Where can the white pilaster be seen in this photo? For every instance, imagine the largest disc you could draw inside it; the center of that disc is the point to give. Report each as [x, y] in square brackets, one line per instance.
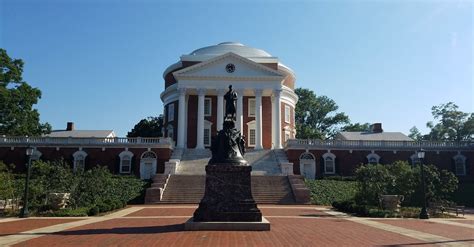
[220, 108]
[258, 118]
[200, 119]
[277, 130]
[181, 116]
[240, 110]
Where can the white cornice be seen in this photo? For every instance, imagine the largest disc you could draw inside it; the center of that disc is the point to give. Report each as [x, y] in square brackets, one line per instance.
[201, 58]
[182, 73]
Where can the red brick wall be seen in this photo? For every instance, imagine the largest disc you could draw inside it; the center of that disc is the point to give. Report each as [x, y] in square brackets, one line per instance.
[285, 124]
[169, 78]
[267, 122]
[95, 156]
[347, 162]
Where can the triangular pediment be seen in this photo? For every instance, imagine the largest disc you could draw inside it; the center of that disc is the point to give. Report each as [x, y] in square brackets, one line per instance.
[229, 65]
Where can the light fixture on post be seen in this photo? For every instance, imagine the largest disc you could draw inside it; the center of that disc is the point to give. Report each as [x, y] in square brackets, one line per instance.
[424, 212]
[24, 211]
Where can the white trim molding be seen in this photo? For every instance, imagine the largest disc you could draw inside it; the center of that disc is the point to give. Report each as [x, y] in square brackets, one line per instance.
[329, 160]
[125, 156]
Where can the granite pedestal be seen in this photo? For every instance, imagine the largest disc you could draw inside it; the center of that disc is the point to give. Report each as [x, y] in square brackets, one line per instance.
[228, 203]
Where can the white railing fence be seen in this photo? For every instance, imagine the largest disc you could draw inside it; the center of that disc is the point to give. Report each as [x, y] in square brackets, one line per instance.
[40, 140]
[346, 144]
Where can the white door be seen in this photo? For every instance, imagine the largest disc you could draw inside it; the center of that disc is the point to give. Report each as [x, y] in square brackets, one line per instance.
[309, 171]
[148, 170]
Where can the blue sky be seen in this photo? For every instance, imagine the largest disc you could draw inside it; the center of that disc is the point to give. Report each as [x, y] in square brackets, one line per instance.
[100, 63]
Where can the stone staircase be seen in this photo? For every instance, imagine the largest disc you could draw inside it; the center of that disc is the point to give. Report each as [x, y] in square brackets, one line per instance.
[193, 162]
[190, 189]
[263, 162]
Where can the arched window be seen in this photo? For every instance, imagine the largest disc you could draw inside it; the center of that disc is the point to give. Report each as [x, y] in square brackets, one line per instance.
[79, 160]
[373, 158]
[125, 161]
[329, 163]
[460, 165]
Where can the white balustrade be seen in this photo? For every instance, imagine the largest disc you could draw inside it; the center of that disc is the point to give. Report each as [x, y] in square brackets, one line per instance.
[385, 145]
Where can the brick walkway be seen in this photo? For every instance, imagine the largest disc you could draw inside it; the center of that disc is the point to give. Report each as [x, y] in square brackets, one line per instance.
[290, 226]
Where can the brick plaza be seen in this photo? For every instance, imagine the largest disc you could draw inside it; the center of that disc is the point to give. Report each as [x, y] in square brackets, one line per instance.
[162, 225]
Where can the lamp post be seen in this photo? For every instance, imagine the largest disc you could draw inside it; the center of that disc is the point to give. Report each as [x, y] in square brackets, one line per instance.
[424, 212]
[24, 211]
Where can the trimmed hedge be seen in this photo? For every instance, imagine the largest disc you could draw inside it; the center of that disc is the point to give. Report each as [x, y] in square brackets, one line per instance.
[464, 195]
[327, 191]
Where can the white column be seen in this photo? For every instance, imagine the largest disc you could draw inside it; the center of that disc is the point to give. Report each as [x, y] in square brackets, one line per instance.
[181, 116]
[220, 108]
[277, 131]
[240, 110]
[258, 118]
[200, 119]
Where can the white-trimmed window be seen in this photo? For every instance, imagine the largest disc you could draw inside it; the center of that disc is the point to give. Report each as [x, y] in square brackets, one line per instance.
[170, 112]
[207, 107]
[79, 160]
[251, 137]
[329, 163]
[460, 165]
[251, 107]
[207, 133]
[287, 114]
[170, 130]
[373, 158]
[126, 161]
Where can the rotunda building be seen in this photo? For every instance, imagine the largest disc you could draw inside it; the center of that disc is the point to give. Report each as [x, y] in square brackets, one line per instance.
[194, 96]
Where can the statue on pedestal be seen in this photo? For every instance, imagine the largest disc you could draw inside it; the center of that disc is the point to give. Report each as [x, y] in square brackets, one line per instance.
[228, 147]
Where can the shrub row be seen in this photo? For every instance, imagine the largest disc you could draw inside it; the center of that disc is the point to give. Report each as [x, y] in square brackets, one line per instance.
[325, 192]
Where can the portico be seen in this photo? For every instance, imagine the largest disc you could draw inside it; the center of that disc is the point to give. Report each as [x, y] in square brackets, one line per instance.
[196, 86]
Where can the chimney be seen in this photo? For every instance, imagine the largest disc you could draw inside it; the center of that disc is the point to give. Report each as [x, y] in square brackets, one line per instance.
[70, 126]
[376, 128]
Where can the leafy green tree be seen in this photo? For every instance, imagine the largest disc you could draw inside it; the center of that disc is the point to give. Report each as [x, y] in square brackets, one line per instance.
[17, 115]
[317, 116]
[415, 134]
[148, 127]
[452, 125]
[358, 127]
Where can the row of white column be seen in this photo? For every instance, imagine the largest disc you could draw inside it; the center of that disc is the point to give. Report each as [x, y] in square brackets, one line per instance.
[220, 116]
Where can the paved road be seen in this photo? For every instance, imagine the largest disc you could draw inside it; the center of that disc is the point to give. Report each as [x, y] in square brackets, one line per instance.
[162, 225]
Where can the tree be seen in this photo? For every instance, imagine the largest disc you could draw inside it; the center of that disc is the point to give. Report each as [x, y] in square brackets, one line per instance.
[17, 116]
[452, 125]
[148, 127]
[316, 116]
[358, 127]
[415, 134]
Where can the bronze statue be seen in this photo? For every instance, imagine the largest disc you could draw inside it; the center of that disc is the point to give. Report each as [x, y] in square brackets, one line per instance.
[230, 99]
[228, 147]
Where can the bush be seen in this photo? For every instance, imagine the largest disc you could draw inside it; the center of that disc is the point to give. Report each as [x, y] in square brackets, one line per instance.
[69, 212]
[325, 192]
[89, 189]
[464, 195]
[401, 179]
[93, 211]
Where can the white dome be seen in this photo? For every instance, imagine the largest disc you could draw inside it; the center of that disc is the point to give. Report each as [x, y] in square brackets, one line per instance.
[235, 47]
